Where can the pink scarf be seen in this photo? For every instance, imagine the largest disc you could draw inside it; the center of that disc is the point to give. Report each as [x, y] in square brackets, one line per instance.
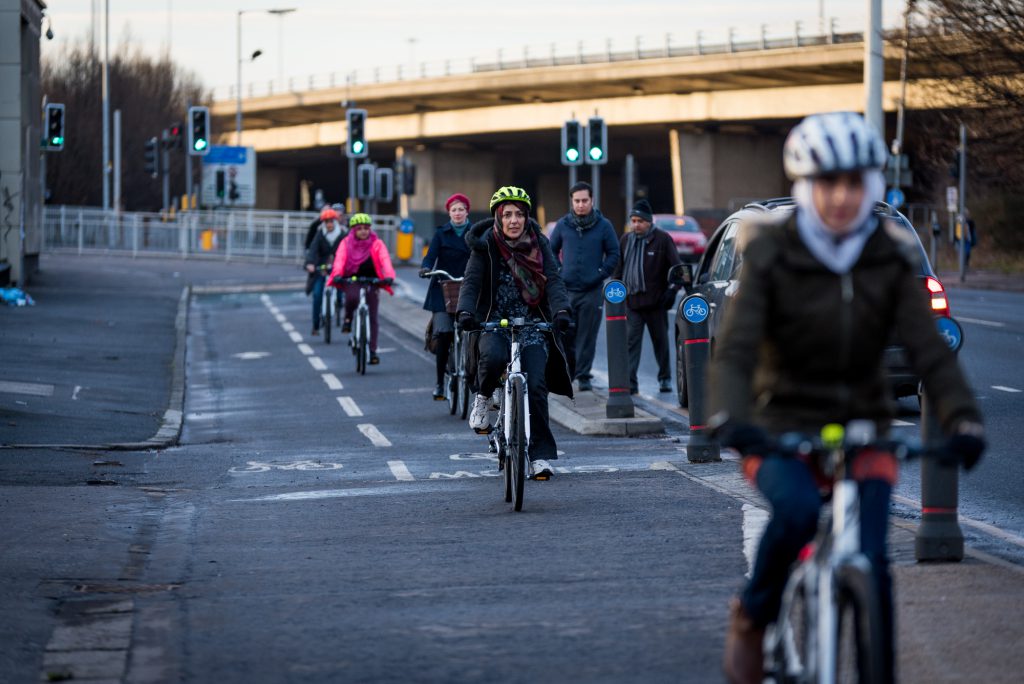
[357, 251]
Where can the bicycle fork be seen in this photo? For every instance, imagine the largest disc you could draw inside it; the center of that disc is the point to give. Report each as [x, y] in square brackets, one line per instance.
[845, 549]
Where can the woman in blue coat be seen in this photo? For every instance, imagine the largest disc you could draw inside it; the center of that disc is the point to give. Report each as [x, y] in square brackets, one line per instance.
[448, 252]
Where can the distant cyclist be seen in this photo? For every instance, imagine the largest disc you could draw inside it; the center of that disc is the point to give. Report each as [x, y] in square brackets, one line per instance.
[511, 274]
[320, 254]
[819, 298]
[448, 252]
[362, 254]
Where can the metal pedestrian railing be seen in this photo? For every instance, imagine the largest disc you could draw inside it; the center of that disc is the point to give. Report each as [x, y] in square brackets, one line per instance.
[240, 234]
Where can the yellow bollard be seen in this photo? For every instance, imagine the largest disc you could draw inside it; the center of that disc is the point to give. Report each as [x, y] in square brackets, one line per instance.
[206, 240]
[404, 241]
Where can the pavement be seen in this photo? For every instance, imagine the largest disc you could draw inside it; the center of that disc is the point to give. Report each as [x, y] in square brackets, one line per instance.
[114, 330]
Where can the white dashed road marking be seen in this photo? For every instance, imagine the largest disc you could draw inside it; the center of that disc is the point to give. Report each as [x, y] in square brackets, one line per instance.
[332, 381]
[34, 389]
[978, 321]
[374, 435]
[287, 327]
[317, 363]
[280, 318]
[350, 407]
[400, 471]
[305, 349]
[296, 337]
[1003, 388]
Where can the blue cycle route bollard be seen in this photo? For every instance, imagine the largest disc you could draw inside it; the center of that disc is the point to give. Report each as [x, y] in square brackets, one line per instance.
[694, 310]
[620, 403]
[939, 537]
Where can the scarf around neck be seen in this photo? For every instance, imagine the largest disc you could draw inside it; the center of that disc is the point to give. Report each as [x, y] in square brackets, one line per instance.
[332, 235]
[837, 253]
[357, 251]
[585, 222]
[633, 261]
[523, 258]
[459, 230]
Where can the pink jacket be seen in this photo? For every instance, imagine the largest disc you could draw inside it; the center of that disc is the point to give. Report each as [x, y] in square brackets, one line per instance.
[381, 262]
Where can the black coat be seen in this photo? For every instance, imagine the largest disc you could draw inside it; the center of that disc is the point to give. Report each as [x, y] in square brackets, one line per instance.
[448, 252]
[477, 295]
[659, 256]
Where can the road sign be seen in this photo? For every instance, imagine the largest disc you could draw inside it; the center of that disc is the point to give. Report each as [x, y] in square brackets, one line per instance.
[695, 309]
[238, 164]
[952, 198]
[615, 291]
[895, 197]
[951, 332]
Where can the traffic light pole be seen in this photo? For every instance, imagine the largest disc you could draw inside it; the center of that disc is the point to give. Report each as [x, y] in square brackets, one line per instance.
[595, 180]
[351, 204]
[572, 176]
[117, 161]
[165, 155]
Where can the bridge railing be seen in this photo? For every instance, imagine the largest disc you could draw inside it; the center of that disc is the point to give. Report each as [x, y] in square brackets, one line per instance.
[237, 234]
[796, 34]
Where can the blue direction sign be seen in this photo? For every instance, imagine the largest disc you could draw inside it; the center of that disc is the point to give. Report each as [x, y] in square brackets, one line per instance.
[226, 154]
[895, 197]
[695, 309]
[615, 291]
[951, 332]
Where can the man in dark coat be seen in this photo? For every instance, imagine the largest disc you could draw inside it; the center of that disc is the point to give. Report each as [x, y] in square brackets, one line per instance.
[648, 254]
[586, 244]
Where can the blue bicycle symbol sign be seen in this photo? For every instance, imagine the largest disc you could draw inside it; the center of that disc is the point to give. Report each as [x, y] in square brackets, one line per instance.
[615, 291]
[951, 332]
[695, 309]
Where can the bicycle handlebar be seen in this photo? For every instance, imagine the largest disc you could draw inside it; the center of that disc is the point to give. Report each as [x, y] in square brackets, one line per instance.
[340, 280]
[853, 439]
[446, 274]
[517, 324]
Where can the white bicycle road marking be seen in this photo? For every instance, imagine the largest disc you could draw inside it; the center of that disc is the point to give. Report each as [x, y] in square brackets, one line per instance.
[1003, 388]
[374, 435]
[400, 471]
[296, 337]
[350, 407]
[74, 394]
[265, 466]
[251, 355]
[979, 321]
[901, 423]
[317, 363]
[332, 381]
[287, 327]
[305, 349]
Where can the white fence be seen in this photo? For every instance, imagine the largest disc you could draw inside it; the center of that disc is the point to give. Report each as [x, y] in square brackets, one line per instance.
[243, 234]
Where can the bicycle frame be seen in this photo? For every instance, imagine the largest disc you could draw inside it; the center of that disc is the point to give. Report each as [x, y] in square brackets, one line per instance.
[453, 385]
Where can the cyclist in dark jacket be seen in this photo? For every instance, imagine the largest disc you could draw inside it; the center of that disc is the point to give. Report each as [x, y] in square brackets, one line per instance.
[512, 273]
[448, 252]
[321, 253]
[802, 346]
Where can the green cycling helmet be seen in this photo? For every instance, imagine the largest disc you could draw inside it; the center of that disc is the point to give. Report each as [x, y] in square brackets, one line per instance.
[510, 193]
[360, 219]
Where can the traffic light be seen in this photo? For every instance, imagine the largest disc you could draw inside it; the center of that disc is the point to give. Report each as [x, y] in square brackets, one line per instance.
[597, 141]
[153, 156]
[55, 126]
[220, 183]
[233, 193]
[954, 168]
[365, 181]
[385, 184]
[198, 131]
[407, 176]
[572, 143]
[356, 147]
[174, 137]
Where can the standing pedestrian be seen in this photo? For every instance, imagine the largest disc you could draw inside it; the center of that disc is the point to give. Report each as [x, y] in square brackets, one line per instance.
[448, 252]
[588, 249]
[648, 254]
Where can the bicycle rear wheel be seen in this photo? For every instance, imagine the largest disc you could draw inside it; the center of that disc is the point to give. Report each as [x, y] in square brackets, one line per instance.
[451, 382]
[860, 656]
[789, 656]
[326, 314]
[462, 388]
[516, 457]
[362, 344]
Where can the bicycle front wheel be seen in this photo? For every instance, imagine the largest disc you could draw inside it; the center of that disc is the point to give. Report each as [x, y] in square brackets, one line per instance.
[516, 456]
[362, 344]
[326, 314]
[860, 651]
[789, 657]
[451, 382]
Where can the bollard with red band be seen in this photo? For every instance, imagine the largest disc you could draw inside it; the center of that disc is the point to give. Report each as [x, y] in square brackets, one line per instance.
[620, 403]
[939, 537]
[696, 347]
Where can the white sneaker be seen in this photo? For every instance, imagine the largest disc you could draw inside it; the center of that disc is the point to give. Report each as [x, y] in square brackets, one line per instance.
[496, 398]
[478, 415]
[540, 470]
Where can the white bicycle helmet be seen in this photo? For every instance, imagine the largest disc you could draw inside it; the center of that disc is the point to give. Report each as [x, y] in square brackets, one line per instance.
[832, 143]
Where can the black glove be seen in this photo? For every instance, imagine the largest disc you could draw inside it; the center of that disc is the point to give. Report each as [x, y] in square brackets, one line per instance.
[468, 321]
[337, 280]
[387, 281]
[424, 272]
[744, 438]
[668, 299]
[966, 449]
[563, 321]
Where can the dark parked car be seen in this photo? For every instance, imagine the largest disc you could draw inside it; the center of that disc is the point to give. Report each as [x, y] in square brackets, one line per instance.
[716, 278]
[686, 233]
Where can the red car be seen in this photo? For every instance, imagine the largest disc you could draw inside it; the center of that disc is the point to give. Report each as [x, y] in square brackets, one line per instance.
[686, 233]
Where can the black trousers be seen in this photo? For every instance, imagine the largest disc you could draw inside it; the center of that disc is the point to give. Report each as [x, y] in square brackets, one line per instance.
[494, 350]
[656, 322]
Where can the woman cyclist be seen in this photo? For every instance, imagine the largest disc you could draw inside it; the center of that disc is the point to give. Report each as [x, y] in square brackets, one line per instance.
[448, 252]
[819, 298]
[512, 273]
[321, 253]
[364, 255]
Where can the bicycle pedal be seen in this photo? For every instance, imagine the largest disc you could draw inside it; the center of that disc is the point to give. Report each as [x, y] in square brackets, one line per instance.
[542, 477]
[484, 431]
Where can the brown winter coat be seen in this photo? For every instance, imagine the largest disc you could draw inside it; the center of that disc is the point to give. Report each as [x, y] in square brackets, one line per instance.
[802, 346]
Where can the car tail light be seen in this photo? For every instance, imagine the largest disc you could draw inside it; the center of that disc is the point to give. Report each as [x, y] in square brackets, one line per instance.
[940, 305]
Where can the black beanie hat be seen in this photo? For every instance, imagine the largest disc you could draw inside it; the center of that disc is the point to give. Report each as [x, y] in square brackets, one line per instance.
[642, 209]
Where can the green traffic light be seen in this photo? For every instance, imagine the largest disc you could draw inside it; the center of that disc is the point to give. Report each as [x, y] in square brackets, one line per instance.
[57, 141]
[357, 146]
[199, 144]
[572, 154]
[596, 153]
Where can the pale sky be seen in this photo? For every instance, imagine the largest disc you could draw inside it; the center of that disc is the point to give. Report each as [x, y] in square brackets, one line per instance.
[339, 36]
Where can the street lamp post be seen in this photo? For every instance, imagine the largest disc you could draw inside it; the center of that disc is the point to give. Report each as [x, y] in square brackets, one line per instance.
[280, 13]
[257, 53]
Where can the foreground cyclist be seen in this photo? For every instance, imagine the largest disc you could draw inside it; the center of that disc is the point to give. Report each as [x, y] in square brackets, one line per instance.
[320, 253]
[364, 255]
[819, 298]
[512, 273]
[448, 252]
